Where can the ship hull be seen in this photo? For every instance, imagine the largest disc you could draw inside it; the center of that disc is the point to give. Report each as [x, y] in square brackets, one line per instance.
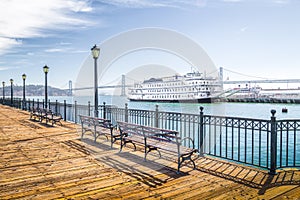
[190, 88]
[202, 100]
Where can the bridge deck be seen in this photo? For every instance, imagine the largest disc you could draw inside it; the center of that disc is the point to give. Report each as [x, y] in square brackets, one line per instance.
[38, 161]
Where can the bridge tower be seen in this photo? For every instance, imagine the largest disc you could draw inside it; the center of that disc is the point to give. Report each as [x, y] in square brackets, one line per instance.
[221, 77]
[123, 86]
[70, 92]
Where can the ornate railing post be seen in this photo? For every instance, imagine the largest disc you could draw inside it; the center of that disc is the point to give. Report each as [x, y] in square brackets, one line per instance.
[75, 111]
[65, 110]
[156, 117]
[104, 111]
[126, 112]
[27, 104]
[273, 156]
[89, 108]
[56, 106]
[201, 134]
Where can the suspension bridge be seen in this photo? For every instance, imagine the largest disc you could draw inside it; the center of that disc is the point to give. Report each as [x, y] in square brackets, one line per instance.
[123, 85]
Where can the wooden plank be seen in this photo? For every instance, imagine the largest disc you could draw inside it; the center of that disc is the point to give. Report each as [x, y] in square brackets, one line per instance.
[39, 161]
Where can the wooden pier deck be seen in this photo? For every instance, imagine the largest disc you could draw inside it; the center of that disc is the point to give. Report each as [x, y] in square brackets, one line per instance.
[43, 162]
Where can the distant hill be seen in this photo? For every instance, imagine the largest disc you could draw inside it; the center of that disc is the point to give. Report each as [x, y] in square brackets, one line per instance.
[35, 90]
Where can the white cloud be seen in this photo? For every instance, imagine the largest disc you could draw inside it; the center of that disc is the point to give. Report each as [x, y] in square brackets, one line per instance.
[54, 50]
[7, 43]
[30, 18]
[65, 43]
[243, 29]
[4, 68]
[30, 53]
[231, 0]
[132, 3]
[282, 1]
[153, 3]
[65, 50]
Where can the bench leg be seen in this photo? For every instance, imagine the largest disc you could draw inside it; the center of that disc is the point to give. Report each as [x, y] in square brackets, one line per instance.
[106, 137]
[114, 138]
[125, 142]
[55, 121]
[150, 148]
[95, 137]
[181, 159]
[59, 122]
[82, 133]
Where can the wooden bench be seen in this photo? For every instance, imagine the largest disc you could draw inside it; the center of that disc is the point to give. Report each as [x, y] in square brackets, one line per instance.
[157, 139]
[41, 114]
[38, 114]
[49, 116]
[98, 127]
[35, 113]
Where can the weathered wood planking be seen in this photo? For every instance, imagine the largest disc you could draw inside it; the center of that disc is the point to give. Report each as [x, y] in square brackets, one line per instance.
[42, 162]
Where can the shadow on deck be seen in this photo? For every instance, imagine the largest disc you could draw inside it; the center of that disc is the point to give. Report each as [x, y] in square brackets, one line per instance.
[248, 176]
[39, 162]
[132, 163]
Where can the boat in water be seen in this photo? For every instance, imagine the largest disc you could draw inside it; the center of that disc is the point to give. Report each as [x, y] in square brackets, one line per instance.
[192, 87]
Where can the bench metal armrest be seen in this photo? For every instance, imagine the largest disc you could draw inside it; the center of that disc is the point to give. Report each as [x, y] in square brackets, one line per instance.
[58, 114]
[108, 124]
[188, 138]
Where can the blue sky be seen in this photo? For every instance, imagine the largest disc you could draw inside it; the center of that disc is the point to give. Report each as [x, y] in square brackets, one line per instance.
[259, 38]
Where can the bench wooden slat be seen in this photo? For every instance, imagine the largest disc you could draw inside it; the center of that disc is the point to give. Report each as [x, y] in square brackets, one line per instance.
[98, 127]
[45, 114]
[156, 139]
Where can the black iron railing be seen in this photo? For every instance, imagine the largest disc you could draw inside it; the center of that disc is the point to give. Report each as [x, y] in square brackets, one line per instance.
[269, 144]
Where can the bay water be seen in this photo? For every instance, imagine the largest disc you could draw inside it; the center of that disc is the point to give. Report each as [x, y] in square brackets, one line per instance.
[245, 110]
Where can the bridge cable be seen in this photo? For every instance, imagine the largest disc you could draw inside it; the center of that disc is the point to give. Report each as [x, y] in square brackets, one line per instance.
[245, 74]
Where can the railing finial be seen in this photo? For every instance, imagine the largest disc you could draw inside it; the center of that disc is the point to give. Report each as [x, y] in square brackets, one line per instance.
[201, 108]
[273, 112]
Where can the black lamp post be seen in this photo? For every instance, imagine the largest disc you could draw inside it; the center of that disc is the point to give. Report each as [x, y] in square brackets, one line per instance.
[11, 92]
[24, 100]
[3, 84]
[46, 70]
[95, 52]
